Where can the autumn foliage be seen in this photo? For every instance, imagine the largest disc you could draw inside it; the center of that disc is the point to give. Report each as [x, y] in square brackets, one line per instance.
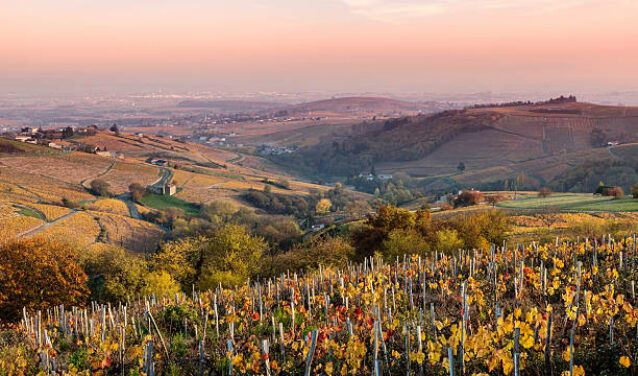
[38, 274]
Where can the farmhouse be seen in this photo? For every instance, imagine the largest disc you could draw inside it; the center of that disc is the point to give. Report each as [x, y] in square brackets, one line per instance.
[110, 154]
[164, 190]
[157, 162]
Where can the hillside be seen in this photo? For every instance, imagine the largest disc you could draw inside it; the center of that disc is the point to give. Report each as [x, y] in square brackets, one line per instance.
[356, 105]
[47, 192]
[494, 143]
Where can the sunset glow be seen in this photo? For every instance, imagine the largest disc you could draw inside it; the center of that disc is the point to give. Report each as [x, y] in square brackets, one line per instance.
[407, 45]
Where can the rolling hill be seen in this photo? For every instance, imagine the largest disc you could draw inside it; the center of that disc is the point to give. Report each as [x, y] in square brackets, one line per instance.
[46, 191]
[542, 140]
[356, 105]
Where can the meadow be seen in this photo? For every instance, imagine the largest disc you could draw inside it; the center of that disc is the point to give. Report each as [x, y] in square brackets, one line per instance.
[160, 202]
[567, 307]
[573, 202]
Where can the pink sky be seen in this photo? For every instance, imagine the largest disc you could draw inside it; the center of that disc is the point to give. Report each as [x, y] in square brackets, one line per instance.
[339, 45]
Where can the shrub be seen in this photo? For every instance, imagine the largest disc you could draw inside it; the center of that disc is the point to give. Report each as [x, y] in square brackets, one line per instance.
[69, 203]
[618, 193]
[404, 242]
[634, 190]
[494, 199]
[468, 198]
[326, 251]
[38, 274]
[544, 192]
[100, 188]
[114, 274]
[137, 191]
[615, 192]
[449, 240]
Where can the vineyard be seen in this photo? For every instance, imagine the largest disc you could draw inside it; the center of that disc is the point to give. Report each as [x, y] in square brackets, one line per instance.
[71, 168]
[563, 308]
[80, 228]
[128, 232]
[124, 174]
[109, 205]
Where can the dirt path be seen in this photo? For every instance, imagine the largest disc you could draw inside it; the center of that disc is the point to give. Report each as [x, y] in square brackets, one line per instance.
[45, 226]
[98, 175]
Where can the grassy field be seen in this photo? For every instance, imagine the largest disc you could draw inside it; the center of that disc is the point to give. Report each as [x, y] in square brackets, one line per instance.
[159, 202]
[573, 202]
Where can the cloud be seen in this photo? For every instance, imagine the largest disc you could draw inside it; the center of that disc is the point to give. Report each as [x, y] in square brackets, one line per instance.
[396, 10]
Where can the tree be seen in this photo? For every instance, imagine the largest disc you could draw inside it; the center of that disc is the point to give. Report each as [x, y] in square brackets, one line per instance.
[159, 283]
[616, 192]
[544, 192]
[137, 191]
[182, 259]
[114, 273]
[461, 167]
[115, 129]
[468, 198]
[368, 239]
[283, 183]
[404, 242]
[597, 137]
[449, 240]
[38, 274]
[229, 257]
[323, 206]
[327, 251]
[494, 199]
[518, 183]
[634, 190]
[100, 188]
[67, 132]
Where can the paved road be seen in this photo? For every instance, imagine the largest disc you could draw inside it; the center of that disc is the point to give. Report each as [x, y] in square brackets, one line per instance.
[132, 208]
[167, 176]
[46, 225]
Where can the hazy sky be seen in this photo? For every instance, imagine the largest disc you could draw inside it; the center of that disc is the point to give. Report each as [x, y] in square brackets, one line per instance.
[309, 45]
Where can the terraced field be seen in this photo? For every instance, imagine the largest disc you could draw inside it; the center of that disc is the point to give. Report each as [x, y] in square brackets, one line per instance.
[70, 168]
[129, 233]
[14, 225]
[121, 175]
[80, 229]
[109, 205]
[21, 186]
[50, 212]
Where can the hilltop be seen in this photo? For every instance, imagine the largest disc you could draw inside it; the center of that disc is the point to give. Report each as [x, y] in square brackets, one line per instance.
[356, 105]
